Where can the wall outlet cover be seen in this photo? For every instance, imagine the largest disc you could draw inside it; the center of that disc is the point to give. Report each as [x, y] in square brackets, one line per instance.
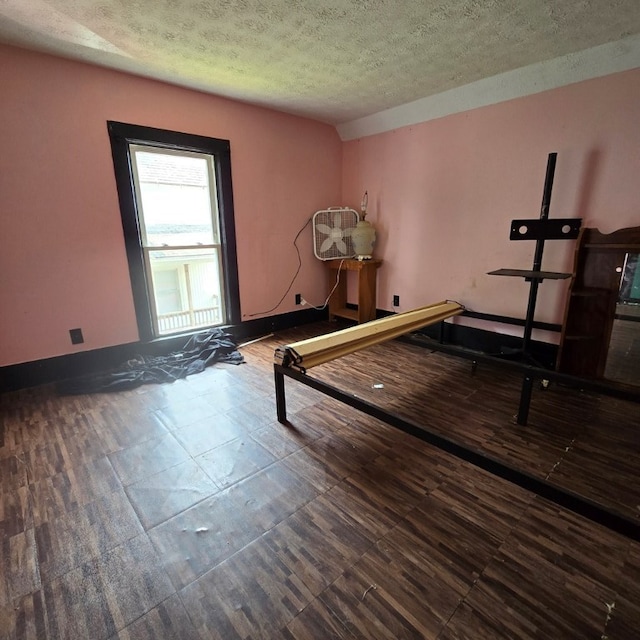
[76, 336]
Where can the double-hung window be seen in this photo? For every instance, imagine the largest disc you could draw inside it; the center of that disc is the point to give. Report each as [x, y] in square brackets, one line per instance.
[177, 214]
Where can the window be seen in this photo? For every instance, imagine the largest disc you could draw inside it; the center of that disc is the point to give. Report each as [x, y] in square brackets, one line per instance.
[177, 215]
[167, 291]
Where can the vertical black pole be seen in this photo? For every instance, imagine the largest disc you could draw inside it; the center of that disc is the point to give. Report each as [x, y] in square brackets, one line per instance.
[525, 400]
[281, 402]
[537, 258]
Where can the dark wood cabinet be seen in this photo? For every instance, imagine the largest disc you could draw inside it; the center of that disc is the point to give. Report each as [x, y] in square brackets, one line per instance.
[593, 295]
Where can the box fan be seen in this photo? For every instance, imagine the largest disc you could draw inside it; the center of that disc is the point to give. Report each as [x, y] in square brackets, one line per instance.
[332, 229]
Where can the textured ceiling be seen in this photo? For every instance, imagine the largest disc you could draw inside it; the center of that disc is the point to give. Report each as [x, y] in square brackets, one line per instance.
[332, 60]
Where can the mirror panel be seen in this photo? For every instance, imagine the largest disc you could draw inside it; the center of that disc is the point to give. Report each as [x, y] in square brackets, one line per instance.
[623, 359]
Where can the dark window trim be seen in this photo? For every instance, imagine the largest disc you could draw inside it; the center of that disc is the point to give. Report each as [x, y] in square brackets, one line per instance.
[121, 135]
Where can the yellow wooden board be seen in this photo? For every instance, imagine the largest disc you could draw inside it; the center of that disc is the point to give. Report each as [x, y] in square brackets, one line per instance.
[309, 353]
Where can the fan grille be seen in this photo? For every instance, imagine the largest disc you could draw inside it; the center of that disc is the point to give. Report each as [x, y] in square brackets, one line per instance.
[332, 230]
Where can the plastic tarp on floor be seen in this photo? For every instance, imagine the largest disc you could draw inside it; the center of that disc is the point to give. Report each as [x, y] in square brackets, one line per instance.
[200, 351]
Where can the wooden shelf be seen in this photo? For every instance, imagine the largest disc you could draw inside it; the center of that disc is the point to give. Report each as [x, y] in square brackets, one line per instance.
[625, 247]
[530, 275]
[588, 293]
[346, 312]
[366, 270]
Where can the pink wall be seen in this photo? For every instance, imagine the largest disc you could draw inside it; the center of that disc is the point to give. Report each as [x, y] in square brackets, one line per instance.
[442, 194]
[62, 257]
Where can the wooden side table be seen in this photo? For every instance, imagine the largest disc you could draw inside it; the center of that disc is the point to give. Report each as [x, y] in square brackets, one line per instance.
[367, 270]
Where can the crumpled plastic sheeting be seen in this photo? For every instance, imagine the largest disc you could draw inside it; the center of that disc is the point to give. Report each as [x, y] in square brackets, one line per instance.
[200, 351]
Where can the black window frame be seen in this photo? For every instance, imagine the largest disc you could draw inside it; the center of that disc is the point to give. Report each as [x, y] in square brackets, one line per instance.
[122, 135]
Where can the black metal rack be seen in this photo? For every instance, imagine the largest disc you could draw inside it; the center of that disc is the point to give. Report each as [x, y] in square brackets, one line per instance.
[540, 230]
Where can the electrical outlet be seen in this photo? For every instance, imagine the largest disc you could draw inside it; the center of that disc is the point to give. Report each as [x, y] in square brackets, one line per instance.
[76, 336]
[298, 298]
[396, 301]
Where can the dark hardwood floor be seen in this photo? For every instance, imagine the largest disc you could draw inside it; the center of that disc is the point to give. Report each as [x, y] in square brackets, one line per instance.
[186, 510]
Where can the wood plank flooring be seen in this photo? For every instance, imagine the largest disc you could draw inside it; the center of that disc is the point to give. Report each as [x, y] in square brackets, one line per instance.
[185, 511]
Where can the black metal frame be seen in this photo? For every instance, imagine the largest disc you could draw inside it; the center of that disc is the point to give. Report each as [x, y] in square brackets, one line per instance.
[538, 230]
[566, 499]
[530, 373]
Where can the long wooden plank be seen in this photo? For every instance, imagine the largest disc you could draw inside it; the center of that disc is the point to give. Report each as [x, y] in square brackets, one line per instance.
[314, 351]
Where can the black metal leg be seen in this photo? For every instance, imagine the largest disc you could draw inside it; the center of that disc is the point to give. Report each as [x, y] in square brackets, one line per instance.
[281, 401]
[525, 399]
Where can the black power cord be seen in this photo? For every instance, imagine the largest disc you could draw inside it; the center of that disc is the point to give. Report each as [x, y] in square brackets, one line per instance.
[295, 244]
